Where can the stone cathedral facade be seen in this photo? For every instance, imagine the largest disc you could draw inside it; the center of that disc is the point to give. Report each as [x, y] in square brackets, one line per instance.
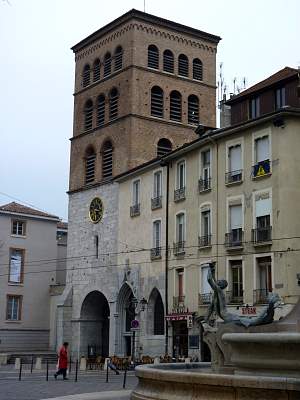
[142, 85]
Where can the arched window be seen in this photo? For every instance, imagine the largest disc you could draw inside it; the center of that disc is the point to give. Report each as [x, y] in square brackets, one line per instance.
[153, 57]
[159, 316]
[107, 160]
[101, 110]
[175, 106]
[90, 158]
[157, 102]
[163, 146]
[88, 115]
[193, 109]
[113, 104]
[96, 71]
[118, 58]
[168, 59]
[86, 75]
[183, 65]
[197, 69]
[107, 64]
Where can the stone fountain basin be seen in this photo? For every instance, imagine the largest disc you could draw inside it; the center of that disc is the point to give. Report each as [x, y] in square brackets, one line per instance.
[275, 353]
[196, 381]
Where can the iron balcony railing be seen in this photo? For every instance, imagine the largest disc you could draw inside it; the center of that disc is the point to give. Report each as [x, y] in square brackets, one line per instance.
[179, 194]
[178, 301]
[204, 298]
[135, 210]
[178, 248]
[204, 241]
[204, 185]
[156, 202]
[155, 253]
[234, 176]
[234, 238]
[262, 235]
[260, 296]
[233, 297]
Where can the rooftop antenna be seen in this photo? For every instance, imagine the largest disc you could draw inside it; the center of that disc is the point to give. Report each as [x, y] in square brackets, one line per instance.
[234, 83]
[244, 83]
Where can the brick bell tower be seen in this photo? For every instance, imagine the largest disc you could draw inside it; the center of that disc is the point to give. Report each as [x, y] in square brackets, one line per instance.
[142, 84]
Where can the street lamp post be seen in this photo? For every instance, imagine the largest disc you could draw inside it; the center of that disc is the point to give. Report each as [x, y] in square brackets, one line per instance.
[135, 324]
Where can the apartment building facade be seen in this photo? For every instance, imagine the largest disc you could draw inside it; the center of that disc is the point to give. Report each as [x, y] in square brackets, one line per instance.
[32, 259]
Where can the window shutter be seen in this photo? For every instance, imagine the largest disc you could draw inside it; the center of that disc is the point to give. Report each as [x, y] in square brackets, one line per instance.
[235, 158]
[236, 216]
[263, 207]
[262, 149]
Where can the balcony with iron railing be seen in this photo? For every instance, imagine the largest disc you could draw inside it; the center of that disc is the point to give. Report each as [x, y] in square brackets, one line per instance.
[155, 253]
[178, 301]
[179, 194]
[234, 297]
[260, 296]
[204, 299]
[204, 241]
[234, 239]
[262, 236]
[179, 248]
[232, 177]
[135, 210]
[204, 185]
[156, 202]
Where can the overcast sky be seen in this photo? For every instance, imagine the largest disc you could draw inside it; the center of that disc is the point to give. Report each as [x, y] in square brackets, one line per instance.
[259, 37]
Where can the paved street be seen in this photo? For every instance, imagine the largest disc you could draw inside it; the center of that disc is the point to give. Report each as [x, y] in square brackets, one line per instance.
[35, 387]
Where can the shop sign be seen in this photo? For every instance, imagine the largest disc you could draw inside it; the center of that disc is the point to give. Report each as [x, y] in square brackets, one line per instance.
[249, 310]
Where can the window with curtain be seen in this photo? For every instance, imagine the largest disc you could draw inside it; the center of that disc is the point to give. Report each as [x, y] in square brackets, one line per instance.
[262, 151]
[16, 265]
[13, 308]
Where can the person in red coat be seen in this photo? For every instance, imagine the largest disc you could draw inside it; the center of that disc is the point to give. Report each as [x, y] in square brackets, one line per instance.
[62, 361]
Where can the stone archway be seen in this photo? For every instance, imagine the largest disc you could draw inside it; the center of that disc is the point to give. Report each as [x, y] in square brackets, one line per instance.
[94, 324]
[126, 314]
[155, 314]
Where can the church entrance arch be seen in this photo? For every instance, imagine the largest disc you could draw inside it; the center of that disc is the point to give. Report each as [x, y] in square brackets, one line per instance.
[126, 313]
[94, 325]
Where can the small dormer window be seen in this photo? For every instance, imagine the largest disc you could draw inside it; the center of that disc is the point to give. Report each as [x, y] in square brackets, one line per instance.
[254, 107]
[280, 98]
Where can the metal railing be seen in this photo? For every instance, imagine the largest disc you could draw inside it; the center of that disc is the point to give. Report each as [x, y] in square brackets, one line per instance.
[204, 298]
[204, 185]
[234, 238]
[234, 176]
[204, 241]
[179, 194]
[155, 253]
[178, 301]
[234, 298]
[156, 202]
[179, 248]
[135, 210]
[262, 235]
[260, 296]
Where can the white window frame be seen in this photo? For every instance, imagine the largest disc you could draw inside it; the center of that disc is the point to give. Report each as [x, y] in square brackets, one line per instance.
[205, 207]
[160, 232]
[184, 225]
[133, 192]
[228, 271]
[201, 169]
[232, 143]
[258, 135]
[154, 195]
[255, 269]
[234, 201]
[179, 267]
[183, 161]
[203, 264]
[24, 226]
[261, 193]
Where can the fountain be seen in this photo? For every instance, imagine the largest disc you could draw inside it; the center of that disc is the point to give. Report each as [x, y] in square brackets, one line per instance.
[252, 358]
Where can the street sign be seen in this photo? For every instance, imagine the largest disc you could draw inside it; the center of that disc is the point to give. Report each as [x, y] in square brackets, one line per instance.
[135, 324]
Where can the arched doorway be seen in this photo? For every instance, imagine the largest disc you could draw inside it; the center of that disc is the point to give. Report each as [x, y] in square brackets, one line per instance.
[156, 314]
[94, 325]
[126, 313]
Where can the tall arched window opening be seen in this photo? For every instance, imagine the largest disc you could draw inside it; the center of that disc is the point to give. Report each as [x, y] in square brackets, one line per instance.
[107, 160]
[107, 64]
[113, 104]
[86, 75]
[183, 65]
[90, 158]
[175, 106]
[157, 102]
[96, 70]
[153, 57]
[193, 109]
[168, 61]
[197, 69]
[118, 58]
[88, 115]
[163, 146]
[101, 110]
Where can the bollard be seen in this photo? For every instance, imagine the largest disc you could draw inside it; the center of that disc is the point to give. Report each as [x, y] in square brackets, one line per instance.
[70, 369]
[31, 367]
[38, 363]
[125, 376]
[20, 372]
[76, 370]
[107, 373]
[17, 363]
[47, 370]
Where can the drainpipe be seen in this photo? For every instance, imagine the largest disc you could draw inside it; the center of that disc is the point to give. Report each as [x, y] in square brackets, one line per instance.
[166, 164]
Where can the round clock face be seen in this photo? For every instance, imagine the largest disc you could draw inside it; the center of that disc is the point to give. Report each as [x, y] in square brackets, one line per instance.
[96, 210]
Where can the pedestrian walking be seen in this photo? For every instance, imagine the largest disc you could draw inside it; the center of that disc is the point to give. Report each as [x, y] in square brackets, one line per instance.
[112, 366]
[62, 361]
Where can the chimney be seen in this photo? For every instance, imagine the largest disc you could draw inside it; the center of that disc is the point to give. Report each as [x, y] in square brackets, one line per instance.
[225, 113]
